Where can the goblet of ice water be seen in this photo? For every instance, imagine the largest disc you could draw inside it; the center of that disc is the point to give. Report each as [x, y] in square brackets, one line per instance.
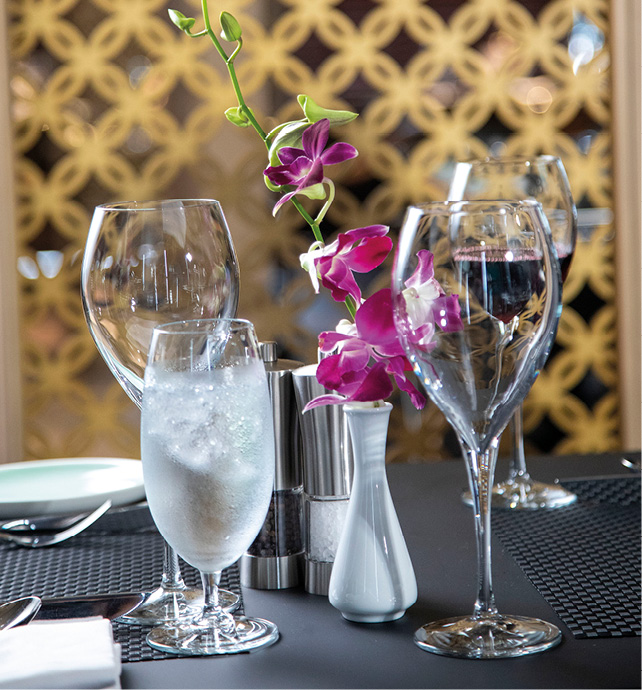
[148, 263]
[207, 441]
[495, 256]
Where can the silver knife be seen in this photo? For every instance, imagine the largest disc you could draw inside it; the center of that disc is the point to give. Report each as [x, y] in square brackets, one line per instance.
[106, 605]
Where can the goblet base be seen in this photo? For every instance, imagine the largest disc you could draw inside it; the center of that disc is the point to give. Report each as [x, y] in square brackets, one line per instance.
[164, 606]
[487, 637]
[204, 638]
[526, 494]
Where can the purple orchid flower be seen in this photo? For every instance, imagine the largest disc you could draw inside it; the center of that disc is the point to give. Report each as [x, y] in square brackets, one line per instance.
[373, 383]
[427, 305]
[359, 250]
[303, 168]
[367, 354]
[375, 325]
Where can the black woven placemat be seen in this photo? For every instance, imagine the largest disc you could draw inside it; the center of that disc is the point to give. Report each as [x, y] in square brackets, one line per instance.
[122, 552]
[583, 559]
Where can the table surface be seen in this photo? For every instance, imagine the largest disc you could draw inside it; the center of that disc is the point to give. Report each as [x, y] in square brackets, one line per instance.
[319, 649]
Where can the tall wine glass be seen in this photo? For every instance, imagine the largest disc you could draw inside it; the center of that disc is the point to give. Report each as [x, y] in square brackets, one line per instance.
[207, 442]
[145, 264]
[544, 179]
[497, 258]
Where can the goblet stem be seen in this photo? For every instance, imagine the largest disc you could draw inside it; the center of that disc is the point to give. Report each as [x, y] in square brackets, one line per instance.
[481, 467]
[211, 605]
[519, 491]
[222, 623]
[213, 631]
[486, 634]
[517, 466]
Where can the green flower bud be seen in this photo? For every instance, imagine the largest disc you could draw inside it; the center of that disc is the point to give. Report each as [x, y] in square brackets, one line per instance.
[314, 112]
[287, 134]
[231, 28]
[237, 117]
[181, 21]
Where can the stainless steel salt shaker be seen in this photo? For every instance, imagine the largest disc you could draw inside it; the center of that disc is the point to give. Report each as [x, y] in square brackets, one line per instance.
[327, 478]
[275, 559]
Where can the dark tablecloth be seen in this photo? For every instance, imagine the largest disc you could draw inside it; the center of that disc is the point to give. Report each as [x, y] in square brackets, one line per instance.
[319, 649]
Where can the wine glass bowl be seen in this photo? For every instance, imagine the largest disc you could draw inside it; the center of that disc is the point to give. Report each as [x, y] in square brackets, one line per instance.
[484, 254]
[148, 263]
[542, 178]
[207, 443]
[495, 258]
[145, 264]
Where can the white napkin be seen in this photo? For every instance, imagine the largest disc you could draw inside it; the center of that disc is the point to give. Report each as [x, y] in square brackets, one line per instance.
[78, 653]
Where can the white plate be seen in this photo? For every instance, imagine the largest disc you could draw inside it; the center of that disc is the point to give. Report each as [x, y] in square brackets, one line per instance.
[68, 485]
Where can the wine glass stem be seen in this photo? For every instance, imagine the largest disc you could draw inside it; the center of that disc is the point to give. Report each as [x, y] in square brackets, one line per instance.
[172, 579]
[481, 467]
[211, 604]
[517, 468]
[212, 611]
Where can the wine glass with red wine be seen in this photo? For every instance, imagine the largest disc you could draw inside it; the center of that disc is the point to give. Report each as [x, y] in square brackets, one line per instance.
[495, 258]
[542, 178]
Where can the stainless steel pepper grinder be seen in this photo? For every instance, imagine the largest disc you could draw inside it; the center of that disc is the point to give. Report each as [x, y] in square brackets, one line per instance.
[275, 559]
[327, 478]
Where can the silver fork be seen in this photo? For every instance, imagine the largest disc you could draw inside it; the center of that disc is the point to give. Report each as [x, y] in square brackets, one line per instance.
[35, 539]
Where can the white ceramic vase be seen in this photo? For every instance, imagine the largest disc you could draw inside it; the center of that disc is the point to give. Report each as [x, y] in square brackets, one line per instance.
[372, 578]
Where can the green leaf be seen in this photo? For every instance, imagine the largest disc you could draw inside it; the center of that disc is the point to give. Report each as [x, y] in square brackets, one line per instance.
[237, 117]
[314, 112]
[315, 191]
[181, 21]
[231, 28]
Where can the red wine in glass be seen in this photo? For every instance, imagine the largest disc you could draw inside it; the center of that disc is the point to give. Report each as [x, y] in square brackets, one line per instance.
[565, 256]
[503, 281]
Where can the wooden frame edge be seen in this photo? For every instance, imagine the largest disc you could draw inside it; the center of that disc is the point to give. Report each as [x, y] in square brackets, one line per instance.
[626, 29]
[11, 433]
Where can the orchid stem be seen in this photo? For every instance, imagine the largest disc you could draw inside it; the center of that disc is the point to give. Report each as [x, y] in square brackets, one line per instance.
[314, 226]
[351, 305]
[229, 62]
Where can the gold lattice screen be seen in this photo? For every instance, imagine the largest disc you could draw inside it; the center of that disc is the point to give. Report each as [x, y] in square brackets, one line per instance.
[111, 102]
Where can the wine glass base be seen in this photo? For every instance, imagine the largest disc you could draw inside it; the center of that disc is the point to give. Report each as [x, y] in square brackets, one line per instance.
[492, 637]
[164, 606]
[526, 494]
[204, 639]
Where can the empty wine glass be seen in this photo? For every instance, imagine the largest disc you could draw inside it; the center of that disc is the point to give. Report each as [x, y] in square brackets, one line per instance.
[207, 441]
[542, 178]
[497, 259]
[148, 263]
